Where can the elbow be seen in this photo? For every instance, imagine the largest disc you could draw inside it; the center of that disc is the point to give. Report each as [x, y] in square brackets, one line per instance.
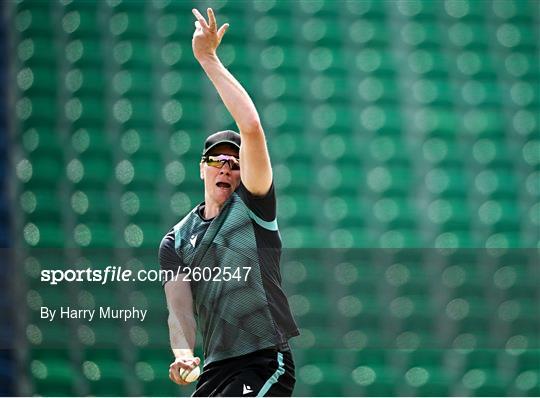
[251, 126]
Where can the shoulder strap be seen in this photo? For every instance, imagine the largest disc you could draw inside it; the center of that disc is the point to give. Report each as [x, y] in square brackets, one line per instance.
[178, 229]
[211, 232]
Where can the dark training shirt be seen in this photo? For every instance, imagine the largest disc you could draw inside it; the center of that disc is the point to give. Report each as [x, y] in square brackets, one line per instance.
[249, 312]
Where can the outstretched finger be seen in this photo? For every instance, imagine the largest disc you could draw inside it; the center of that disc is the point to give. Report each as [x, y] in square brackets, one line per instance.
[211, 19]
[222, 30]
[200, 18]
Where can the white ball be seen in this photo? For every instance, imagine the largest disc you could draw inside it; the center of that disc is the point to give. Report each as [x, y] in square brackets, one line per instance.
[191, 376]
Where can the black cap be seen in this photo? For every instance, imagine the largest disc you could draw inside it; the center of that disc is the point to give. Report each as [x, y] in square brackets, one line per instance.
[222, 137]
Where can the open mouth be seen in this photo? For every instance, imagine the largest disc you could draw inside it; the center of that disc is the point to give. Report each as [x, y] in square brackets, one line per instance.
[224, 185]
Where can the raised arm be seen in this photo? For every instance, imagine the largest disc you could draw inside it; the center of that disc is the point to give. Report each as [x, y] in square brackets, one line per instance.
[255, 168]
[182, 328]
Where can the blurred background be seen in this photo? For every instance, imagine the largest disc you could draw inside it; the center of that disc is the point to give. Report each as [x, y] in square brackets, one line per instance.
[405, 140]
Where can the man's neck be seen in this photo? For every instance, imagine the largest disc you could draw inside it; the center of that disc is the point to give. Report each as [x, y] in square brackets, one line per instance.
[211, 209]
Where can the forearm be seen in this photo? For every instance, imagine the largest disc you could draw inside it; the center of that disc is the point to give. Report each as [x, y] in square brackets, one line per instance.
[234, 96]
[182, 329]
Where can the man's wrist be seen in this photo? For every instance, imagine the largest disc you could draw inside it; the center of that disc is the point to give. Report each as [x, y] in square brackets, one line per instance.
[207, 59]
[183, 353]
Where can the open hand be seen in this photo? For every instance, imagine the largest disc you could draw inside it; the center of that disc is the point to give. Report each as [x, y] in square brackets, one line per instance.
[206, 37]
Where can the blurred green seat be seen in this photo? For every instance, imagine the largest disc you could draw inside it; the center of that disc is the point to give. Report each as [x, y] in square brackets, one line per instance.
[134, 115]
[92, 206]
[44, 334]
[371, 32]
[421, 11]
[93, 80]
[296, 208]
[41, 141]
[51, 235]
[294, 57]
[176, 19]
[52, 372]
[450, 214]
[497, 184]
[295, 115]
[320, 379]
[140, 55]
[289, 84]
[526, 37]
[100, 233]
[238, 29]
[43, 111]
[148, 170]
[94, 141]
[311, 310]
[475, 63]
[322, 9]
[39, 16]
[87, 52]
[428, 357]
[424, 33]
[131, 7]
[321, 29]
[92, 294]
[291, 144]
[92, 111]
[528, 360]
[425, 374]
[105, 371]
[152, 370]
[140, 81]
[137, 24]
[280, 30]
[276, 8]
[35, 50]
[191, 114]
[152, 234]
[45, 82]
[423, 62]
[523, 64]
[297, 173]
[482, 358]
[500, 216]
[96, 172]
[395, 180]
[82, 22]
[44, 204]
[376, 88]
[406, 213]
[145, 143]
[372, 373]
[348, 178]
[346, 212]
[149, 205]
[191, 81]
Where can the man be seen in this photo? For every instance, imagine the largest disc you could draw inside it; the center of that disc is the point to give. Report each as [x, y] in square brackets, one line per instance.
[230, 248]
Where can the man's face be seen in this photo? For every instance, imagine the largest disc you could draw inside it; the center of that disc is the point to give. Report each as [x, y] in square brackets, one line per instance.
[220, 183]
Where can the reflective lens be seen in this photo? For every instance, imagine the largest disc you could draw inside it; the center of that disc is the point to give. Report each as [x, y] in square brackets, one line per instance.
[220, 160]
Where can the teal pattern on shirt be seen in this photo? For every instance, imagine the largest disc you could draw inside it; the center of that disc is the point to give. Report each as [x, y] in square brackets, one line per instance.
[234, 316]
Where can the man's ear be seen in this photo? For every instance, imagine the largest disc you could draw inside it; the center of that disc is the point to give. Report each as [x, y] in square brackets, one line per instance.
[201, 170]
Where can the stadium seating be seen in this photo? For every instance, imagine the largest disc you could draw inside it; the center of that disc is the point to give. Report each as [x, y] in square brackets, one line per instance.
[397, 130]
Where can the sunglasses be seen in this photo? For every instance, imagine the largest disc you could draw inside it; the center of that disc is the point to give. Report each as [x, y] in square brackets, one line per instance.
[220, 160]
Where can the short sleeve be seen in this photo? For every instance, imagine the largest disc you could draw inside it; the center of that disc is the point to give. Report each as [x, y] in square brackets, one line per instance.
[168, 258]
[263, 206]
